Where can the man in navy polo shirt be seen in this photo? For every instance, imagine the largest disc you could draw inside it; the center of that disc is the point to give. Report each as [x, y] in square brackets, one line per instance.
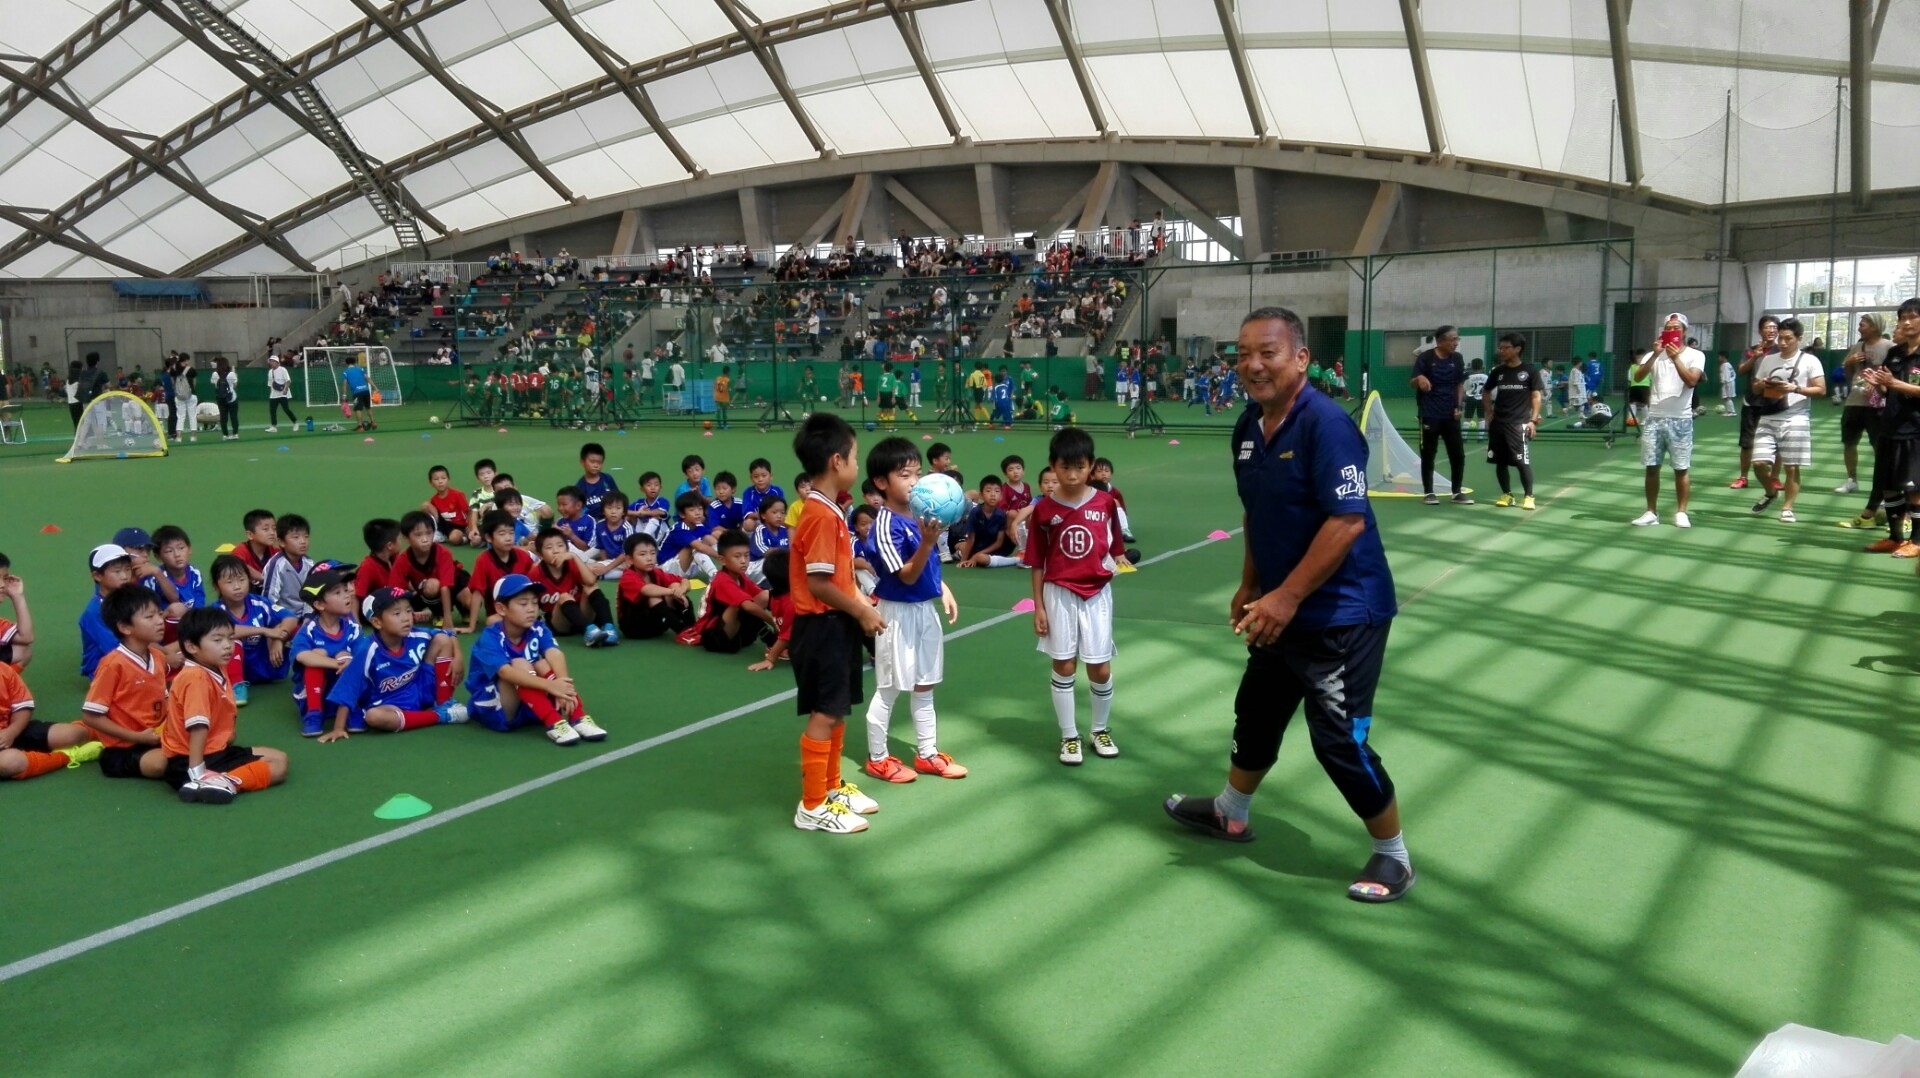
[1440, 384]
[1315, 601]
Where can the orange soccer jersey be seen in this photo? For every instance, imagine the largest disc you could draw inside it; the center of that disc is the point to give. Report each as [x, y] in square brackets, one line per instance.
[199, 699]
[820, 545]
[722, 390]
[129, 690]
[14, 694]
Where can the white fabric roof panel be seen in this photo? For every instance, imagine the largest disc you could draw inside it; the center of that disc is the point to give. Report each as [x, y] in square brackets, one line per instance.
[1537, 110]
[1295, 17]
[1309, 98]
[1097, 21]
[638, 30]
[291, 27]
[52, 22]
[986, 29]
[1017, 101]
[623, 166]
[530, 66]
[1182, 94]
[877, 116]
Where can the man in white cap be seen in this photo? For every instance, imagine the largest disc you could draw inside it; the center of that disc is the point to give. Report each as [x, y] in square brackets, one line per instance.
[279, 394]
[1673, 370]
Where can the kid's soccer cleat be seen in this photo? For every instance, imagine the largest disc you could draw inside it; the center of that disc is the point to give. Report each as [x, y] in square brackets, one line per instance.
[1527, 503]
[849, 795]
[561, 733]
[609, 637]
[939, 764]
[239, 694]
[593, 636]
[1070, 751]
[832, 817]
[356, 723]
[451, 712]
[890, 769]
[213, 788]
[311, 724]
[1884, 546]
[83, 753]
[1865, 520]
[1738, 484]
[588, 729]
[1505, 501]
[1103, 745]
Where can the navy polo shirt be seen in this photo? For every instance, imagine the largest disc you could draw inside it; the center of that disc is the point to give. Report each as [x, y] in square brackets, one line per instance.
[1314, 468]
[1445, 376]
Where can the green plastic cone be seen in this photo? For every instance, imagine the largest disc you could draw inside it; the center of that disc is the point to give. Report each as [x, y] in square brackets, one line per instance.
[402, 807]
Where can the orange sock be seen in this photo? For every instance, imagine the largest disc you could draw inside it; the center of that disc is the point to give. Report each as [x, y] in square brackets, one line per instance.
[813, 771]
[254, 775]
[39, 763]
[833, 757]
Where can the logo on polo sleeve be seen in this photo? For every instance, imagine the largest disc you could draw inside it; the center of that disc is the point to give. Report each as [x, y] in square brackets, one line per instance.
[1352, 483]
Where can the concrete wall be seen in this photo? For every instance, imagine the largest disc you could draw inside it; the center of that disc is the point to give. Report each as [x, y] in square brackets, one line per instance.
[1549, 286]
[1213, 305]
[236, 333]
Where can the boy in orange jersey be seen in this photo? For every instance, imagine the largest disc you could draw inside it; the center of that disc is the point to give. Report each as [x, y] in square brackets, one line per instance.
[203, 762]
[16, 636]
[830, 617]
[126, 701]
[29, 748]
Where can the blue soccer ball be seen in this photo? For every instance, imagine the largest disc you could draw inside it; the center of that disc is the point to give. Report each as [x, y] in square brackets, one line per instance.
[871, 424]
[939, 497]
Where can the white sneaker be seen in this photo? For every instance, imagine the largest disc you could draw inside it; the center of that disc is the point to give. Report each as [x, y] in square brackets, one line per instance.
[1786, 516]
[1681, 520]
[270, 430]
[849, 795]
[1649, 518]
[833, 817]
[452, 712]
[1847, 487]
[562, 733]
[588, 729]
[1103, 745]
[1070, 751]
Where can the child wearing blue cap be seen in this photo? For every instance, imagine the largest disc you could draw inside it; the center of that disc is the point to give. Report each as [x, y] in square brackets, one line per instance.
[517, 673]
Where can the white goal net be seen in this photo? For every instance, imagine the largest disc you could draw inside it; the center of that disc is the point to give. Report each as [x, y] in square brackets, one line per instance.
[322, 367]
[117, 426]
[1393, 466]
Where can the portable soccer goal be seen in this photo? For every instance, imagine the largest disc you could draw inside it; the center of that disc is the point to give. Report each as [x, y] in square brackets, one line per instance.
[117, 426]
[1393, 466]
[322, 367]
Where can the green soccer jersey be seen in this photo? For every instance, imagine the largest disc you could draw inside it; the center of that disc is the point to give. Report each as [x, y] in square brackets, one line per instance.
[888, 383]
[1061, 413]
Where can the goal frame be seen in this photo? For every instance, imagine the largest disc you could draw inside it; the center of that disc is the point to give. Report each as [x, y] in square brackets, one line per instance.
[383, 374]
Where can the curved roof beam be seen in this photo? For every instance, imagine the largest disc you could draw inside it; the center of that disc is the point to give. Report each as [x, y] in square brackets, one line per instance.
[748, 29]
[616, 69]
[1237, 48]
[74, 243]
[1423, 75]
[1063, 25]
[910, 33]
[58, 63]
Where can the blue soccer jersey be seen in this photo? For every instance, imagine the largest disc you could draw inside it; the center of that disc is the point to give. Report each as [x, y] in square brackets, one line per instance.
[96, 639]
[727, 514]
[890, 545]
[682, 536]
[753, 496]
[581, 527]
[356, 379]
[612, 542]
[260, 614]
[653, 505]
[493, 652]
[312, 637]
[192, 588]
[381, 677]
[766, 540]
[596, 491]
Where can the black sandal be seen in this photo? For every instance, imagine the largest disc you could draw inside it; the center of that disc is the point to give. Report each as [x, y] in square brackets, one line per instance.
[1382, 871]
[1200, 814]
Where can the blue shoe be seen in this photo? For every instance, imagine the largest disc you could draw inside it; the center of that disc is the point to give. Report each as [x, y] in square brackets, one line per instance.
[451, 712]
[310, 724]
[608, 636]
[240, 694]
[593, 635]
[356, 724]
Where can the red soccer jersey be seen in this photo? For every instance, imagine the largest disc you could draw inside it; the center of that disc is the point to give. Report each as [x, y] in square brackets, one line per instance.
[451, 506]
[257, 562]
[782, 610]
[557, 589]
[410, 574]
[1015, 498]
[488, 569]
[1075, 545]
[633, 580]
[374, 573]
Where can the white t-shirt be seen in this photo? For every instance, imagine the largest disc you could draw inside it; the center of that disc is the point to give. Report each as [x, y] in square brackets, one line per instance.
[1800, 370]
[1727, 379]
[1680, 405]
[279, 382]
[677, 375]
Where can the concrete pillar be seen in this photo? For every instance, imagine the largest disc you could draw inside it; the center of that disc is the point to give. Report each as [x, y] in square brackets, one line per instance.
[756, 218]
[996, 200]
[1254, 188]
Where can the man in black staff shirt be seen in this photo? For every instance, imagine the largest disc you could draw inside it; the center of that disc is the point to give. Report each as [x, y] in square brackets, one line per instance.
[1440, 383]
[1896, 460]
[1513, 410]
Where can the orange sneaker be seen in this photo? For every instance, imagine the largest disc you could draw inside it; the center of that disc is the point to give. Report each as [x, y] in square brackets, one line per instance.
[1884, 546]
[939, 764]
[890, 770]
[1908, 550]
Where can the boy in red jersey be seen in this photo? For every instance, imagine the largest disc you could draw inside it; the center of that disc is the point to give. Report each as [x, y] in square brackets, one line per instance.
[447, 506]
[429, 571]
[263, 538]
[568, 599]
[500, 559]
[652, 601]
[1073, 544]
[380, 568]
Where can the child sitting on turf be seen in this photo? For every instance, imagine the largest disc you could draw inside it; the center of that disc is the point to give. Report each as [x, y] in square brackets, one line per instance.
[780, 606]
[652, 600]
[399, 677]
[575, 526]
[608, 557]
[760, 488]
[111, 568]
[481, 500]
[508, 501]
[263, 536]
[801, 485]
[594, 484]
[860, 526]
[378, 568]
[688, 549]
[695, 470]
[260, 632]
[16, 636]
[532, 510]
[1014, 493]
[568, 598]
[286, 571]
[518, 675]
[428, 570]
[725, 511]
[499, 529]
[772, 534]
[324, 644]
[447, 506]
[651, 509]
[126, 700]
[989, 541]
[736, 607]
[203, 762]
[180, 586]
[29, 748]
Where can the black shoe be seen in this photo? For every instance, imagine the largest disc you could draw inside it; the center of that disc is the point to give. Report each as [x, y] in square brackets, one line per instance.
[1431, 499]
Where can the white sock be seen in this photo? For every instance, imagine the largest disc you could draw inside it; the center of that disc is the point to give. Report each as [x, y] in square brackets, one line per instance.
[879, 718]
[1063, 706]
[922, 703]
[1102, 701]
[1122, 513]
[1233, 804]
[1395, 847]
[1000, 561]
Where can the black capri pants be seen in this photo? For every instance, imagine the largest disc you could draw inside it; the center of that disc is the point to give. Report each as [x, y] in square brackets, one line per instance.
[1334, 671]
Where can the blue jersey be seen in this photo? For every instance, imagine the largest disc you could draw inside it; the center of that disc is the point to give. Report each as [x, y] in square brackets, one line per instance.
[193, 590]
[612, 542]
[682, 536]
[581, 527]
[96, 639]
[1445, 377]
[658, 504]
[890, 545]
[260, 614]
[985, 526]
[752, 497]
[356, 379]
[312, 637]
[596, 491]
[380, 677]
[706, 489]
[493, 652]
[1314, 467]
[726, 514]
[1002, 392]
[767, 539]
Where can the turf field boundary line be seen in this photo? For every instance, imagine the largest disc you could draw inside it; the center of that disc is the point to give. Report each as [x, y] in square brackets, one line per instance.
[242, 888]
[1488, 546]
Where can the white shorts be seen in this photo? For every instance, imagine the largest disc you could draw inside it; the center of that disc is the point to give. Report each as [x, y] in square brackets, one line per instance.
[912, 650]
[1078, 628]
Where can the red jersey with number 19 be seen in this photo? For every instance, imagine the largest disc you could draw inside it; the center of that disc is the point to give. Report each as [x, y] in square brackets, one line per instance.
[1076, 545]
